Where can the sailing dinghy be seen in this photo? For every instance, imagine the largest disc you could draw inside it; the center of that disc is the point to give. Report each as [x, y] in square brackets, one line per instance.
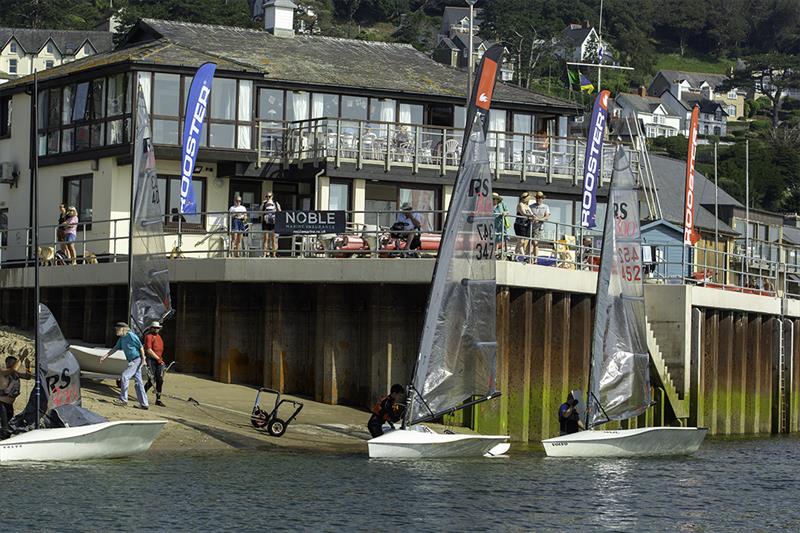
[619, 375]
[456, 362]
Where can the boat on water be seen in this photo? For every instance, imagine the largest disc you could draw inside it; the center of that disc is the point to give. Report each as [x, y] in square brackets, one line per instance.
[619, 368]
[456, 364]
[53, 426]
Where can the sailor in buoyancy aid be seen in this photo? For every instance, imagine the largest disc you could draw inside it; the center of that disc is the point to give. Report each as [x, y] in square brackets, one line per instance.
[388, 409]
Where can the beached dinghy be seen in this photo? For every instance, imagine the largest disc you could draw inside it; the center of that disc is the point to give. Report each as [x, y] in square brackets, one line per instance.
[89, 359]
[619, 373]
[456, 363]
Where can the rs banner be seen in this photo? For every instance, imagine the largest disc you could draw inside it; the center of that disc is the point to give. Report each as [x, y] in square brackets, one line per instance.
[689, 235]
[592, 159]
[196, 106]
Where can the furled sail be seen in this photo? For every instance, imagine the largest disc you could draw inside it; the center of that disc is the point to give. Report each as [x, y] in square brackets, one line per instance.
[620, 376]
[59, 372]
[149, 282]
[456, 360]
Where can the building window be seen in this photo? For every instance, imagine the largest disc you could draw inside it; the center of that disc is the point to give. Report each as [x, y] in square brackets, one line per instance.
[87, 49]
[731, 111]
[733, 93]
[324, 105]
[230, 124]
[13, 47]
[12, 66]
[166, 108]
[169, 189]
[49, 47]
[78, 193]
[5, 116]
[48, 64]
[339, 196]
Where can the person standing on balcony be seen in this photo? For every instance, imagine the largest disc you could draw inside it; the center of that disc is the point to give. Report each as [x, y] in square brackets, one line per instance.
[269, 208]
[541, 213]
[62, 219]
[71, 233]
[501, 224]
[238, 216]
[522, 226]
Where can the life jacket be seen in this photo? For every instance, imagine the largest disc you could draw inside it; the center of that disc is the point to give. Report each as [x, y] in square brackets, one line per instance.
[378, 410]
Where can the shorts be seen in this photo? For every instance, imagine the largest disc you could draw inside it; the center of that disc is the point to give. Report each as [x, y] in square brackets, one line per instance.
[70, 237]
[536, 231]
[268, 226]
[237, 225]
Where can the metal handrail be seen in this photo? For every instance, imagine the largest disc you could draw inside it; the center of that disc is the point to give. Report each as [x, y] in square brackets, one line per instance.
[368, 235]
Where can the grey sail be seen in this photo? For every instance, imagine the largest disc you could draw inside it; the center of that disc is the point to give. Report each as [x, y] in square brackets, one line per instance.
[149, 283]
[59, 372]
[620, 376]
[456, 361]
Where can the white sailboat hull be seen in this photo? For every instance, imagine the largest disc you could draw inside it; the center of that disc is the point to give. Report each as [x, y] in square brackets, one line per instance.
[89, 359]
[627, 442]
[411, 444]
[97, 441]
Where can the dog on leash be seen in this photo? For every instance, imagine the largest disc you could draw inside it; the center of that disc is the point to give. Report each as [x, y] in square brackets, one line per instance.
[47, 255]
[89, 258]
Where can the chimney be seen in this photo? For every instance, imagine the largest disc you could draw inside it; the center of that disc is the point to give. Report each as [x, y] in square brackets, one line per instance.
[642, 91]
[279, 17]
[586, 24]
[677, 90]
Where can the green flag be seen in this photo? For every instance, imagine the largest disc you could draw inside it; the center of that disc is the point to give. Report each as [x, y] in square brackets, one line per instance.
[574, 78]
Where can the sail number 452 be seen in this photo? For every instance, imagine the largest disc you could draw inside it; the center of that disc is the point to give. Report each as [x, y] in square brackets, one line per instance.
[629, 262]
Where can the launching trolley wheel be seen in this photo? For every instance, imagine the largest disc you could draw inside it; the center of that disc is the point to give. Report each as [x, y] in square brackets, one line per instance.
[259, 418]
[276, 427]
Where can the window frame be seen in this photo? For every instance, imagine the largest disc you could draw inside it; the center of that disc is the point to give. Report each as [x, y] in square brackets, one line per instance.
[13, 66]
[190, 227]
[80, 178]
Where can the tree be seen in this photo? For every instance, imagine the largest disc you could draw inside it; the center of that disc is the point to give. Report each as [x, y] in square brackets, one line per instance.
[682, 20]
[771, 74]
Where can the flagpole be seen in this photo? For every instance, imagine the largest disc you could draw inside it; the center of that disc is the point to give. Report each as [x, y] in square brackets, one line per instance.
[37, 341]
[600, 45]
[716, 208]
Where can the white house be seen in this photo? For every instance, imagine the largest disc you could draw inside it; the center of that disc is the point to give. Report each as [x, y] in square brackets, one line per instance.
[708, 86]
[580, 42]
[713, 117]
[654, 117]
[23, 50]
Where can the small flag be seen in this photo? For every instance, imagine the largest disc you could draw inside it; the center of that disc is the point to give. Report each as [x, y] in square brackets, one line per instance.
[574, 78]
[586, 85]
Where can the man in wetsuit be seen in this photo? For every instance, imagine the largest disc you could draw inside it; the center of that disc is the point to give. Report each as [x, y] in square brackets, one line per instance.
[388, 409]
[568, 418]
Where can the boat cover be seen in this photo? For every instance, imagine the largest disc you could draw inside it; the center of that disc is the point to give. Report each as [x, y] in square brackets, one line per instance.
[620, 376]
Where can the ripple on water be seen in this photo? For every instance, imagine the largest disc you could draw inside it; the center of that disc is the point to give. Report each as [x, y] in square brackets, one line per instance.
[730, 485]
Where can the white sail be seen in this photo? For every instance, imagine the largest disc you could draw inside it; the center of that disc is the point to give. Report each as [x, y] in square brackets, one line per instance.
[149, 282]
[456, 361]
[620, 377]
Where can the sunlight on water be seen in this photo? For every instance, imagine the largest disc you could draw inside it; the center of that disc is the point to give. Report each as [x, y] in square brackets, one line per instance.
[728, 486]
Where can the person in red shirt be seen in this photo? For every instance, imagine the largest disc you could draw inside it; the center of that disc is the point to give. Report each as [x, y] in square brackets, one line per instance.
[154, 352]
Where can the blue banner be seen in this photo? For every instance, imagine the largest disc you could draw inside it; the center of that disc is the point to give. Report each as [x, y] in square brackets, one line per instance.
[592, 161]
[196, 106]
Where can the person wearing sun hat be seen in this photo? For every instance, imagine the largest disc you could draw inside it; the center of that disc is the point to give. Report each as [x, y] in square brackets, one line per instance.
[522, 225]
[131, 346]
[154, 352]
[408, 225]
[501, 223]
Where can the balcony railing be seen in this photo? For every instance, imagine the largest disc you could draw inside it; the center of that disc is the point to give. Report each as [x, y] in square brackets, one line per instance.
[389, 144]
[558, 245]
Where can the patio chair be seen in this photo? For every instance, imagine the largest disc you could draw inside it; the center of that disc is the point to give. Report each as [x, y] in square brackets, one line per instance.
[452, 151]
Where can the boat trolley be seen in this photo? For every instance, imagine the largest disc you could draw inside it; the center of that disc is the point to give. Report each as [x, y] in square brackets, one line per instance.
[269, 420]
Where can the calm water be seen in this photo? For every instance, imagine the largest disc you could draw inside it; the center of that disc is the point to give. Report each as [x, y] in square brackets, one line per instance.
[737, 485]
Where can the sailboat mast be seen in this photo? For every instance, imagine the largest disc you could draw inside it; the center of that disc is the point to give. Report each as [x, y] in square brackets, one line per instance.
[134, 154]
[592, 355]
[35, 193]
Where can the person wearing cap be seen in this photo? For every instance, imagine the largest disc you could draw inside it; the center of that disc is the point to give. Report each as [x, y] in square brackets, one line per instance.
[154, 352]
[131, 346]
[409, 224]
[501, 223]
[541, 213]
[522, 225]
[269, 207]
[238, 216]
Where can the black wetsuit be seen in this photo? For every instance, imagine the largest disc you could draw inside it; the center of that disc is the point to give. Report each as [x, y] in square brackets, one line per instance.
[567, 424]
[386, 410]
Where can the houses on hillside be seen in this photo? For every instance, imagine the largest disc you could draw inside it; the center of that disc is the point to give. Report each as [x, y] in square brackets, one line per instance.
[699, 86]
[24, 50]
[453, 41]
